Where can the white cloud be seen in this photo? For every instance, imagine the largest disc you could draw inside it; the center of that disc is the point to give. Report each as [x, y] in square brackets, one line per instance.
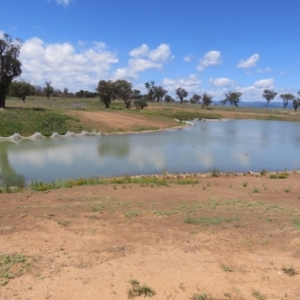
[264, 83]
[211, 58]
[64, 66]
[191, 84]
[188, 58]
[161, 54]
[264, 70]
[1, 34]
[143, 58]
[63, 2]
[250, 62]
[141, 51]
[221, 81]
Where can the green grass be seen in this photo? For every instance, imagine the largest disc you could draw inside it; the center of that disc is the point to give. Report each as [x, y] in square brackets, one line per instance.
[208, 221]
[27, 121]
[282, 175]
[37, 185]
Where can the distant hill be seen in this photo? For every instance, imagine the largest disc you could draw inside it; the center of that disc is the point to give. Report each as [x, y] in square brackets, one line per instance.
[257, 104]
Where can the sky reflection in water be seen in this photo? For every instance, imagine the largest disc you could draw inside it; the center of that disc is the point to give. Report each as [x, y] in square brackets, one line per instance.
[237, 145]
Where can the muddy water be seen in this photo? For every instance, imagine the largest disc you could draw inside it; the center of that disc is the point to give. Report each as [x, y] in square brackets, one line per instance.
[237, 145]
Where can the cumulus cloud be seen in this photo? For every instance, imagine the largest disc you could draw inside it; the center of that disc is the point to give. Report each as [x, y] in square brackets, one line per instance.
[221, 81]
[142, 59]
[250, 62]
[141, 51]
[63, 65]
[264, 83]
[63, 2]
[211, 58]
[191, 84]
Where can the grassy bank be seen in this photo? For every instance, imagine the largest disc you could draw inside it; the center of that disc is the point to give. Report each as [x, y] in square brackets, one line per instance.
[27, 121]
[45, 116]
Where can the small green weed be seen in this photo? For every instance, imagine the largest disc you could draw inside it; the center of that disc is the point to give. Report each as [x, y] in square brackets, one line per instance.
[227, 268]
[245, 184]
[258, 295]
[287, 190]
[11, 266]
[255, 190]
[138, 290]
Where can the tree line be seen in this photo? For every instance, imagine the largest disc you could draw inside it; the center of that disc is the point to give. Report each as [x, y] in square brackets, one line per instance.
[107, 90]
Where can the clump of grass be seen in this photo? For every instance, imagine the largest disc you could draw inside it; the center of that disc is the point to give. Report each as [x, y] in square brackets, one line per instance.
[258, 295]
[245, 184]
[282, 175]
[132, 214]
[202, 296]
[227, 268]
[256, 190]
[287, 190]
[97, 208]
[263, 172]
[208, 221]
[291, 271]
[138, 290]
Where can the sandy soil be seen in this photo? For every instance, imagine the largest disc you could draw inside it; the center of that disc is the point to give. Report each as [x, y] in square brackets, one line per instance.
[88, 242]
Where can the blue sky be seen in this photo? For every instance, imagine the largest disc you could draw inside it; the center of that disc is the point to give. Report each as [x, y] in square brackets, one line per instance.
[212, 46]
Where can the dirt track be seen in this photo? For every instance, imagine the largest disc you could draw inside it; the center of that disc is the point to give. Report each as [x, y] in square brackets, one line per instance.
[88, 242]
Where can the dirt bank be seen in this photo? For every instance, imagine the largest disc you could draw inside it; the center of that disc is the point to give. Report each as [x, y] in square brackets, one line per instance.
[228, 237]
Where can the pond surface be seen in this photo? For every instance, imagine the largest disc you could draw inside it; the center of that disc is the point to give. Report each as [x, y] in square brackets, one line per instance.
[236, 145]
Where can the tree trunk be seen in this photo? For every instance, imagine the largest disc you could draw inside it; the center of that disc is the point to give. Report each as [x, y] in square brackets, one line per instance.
[2, 97]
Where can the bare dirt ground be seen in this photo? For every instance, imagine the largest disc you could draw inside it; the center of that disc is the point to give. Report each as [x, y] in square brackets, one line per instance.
[108, 121]
[222, 238]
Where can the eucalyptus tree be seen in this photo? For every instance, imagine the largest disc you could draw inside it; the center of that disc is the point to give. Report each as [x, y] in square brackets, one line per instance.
[106, 91]
[10, 65]
[296, 103]
[21, 89]
[123, 90]
[181, 93]
[269, 95]
[206, 100]
[233, 98]
[195, 99]
[48, 89]
[168, 99]
[150, 86]
[286, 98]
[159, 93]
